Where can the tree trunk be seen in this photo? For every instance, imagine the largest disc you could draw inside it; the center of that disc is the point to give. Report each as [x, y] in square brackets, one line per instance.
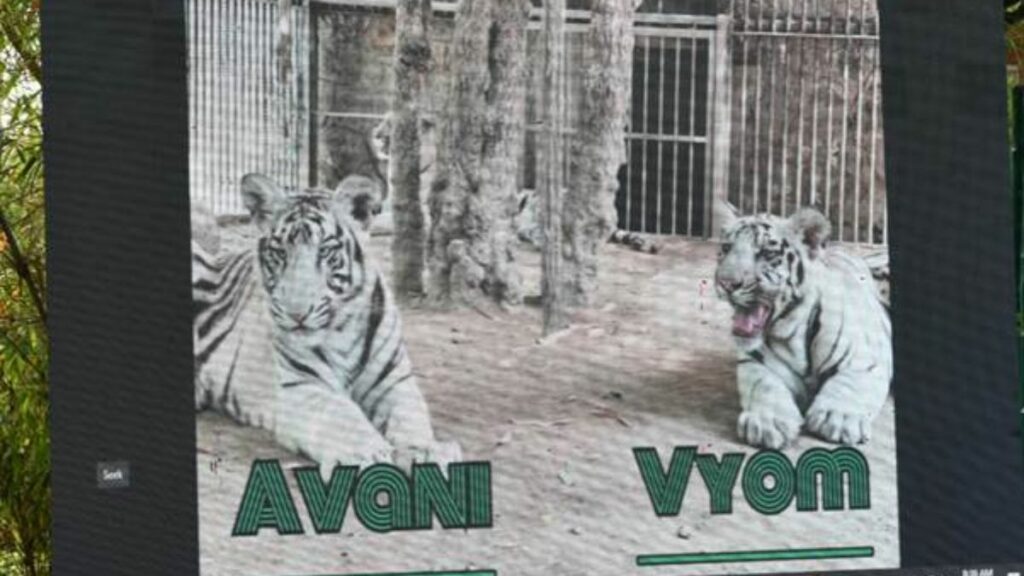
[600, 148]
[472, 200]
[551, 175]
[412, 65]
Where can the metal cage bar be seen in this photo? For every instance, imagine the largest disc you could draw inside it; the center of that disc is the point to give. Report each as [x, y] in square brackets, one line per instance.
[811, 136]
[241, 118]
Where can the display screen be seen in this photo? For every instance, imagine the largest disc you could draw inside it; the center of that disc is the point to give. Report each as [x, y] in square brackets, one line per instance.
[587, 287]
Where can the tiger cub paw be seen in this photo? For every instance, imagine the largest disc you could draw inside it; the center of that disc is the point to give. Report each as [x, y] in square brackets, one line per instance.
[766, 429]
[838, 426]
[361, 458]
[440, 453]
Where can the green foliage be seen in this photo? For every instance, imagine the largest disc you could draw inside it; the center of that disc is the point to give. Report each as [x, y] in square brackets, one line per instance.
[25, 503]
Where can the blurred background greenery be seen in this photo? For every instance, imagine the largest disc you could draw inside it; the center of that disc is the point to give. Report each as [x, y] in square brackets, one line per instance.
[24, 435]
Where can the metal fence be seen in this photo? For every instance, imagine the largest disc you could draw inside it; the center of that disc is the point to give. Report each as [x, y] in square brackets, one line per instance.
[243, 116]
[806, 121]
[666, 185]
[774, 105]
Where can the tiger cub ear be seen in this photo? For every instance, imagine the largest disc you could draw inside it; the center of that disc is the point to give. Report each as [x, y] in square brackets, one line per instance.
[359, 199]
[724, 215]
[812, 228]
[261, 196]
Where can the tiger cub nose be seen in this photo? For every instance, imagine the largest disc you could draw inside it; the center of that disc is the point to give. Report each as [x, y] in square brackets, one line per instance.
[730, 285]
[300, 316]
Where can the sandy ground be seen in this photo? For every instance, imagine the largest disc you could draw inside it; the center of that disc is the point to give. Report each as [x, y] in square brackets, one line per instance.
[651, 365]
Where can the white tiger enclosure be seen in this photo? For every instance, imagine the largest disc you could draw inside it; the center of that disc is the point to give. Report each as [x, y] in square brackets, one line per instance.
[771, 104]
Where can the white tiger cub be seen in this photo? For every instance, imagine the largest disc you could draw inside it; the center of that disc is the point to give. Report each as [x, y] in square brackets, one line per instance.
[299, 334]
[813, 336]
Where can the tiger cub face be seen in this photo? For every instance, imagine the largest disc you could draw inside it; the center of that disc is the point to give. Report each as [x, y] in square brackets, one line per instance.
[310, 253]
[763, 265]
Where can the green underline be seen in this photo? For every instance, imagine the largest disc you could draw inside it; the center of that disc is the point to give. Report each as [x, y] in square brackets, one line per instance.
[442, 573]
[755, 556]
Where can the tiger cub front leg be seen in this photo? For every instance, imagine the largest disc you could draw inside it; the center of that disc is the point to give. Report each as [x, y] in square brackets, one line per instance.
[406, 424]
[846, 406]
[771, 417]
[328, 427]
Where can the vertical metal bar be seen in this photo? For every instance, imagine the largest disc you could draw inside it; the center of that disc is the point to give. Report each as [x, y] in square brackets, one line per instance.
[677, 143]
[193, 60]
[264, 53]
[772, 86]
[874, 148]
[293, 95]
[828, 138]
[784, 49]
[248, 76]
[293, 104]
[190, 79]
[802, 46]
[218, 97]
[758, 102]
[279, 142]
[815, 77]
[859, 133]
[565, 114]
[240, 88]
[266, 91]
[314, 95]
[298, 95]
[229, 72]
[744, 62]
[273, 127]
[661, 120]
[237, 96]
[257, 88]
[206, 97]
[693, 132]
[846, 123]
[710, 138]
[629, 150]
[288, 107]
[300, 92]
[647, 97]
[206, 102]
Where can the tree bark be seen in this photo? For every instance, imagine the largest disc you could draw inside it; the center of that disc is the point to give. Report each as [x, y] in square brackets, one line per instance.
[599, 150]
[551, 175]
[412, 65]
[472, 199]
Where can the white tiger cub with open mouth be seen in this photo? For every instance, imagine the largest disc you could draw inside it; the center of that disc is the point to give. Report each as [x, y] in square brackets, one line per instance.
[813, 335]
[300, 336]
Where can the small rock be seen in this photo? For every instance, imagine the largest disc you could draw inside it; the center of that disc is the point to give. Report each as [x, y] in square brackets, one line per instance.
[565, 477]
[575, 531]
[684, 533]
[505, 439]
